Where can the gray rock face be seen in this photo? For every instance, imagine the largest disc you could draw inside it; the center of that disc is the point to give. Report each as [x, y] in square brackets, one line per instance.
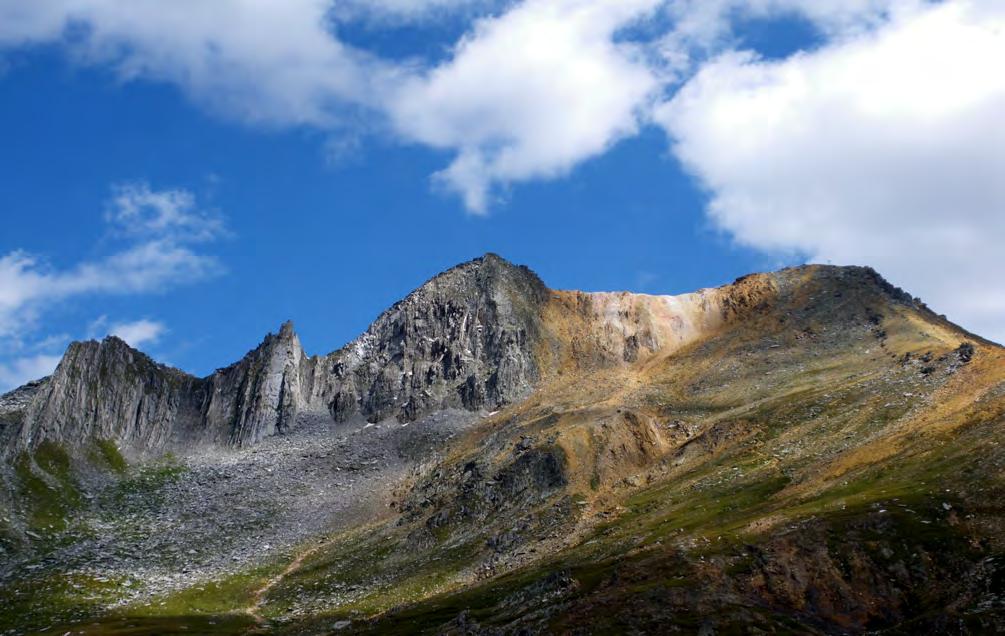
[465, 339]
[260, 395]
[12, 409]
[108, 390]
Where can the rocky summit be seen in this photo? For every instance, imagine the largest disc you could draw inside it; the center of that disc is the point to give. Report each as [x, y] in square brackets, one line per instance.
[805, 451]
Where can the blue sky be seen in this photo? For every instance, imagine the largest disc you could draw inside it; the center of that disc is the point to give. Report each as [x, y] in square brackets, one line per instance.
[191, 205]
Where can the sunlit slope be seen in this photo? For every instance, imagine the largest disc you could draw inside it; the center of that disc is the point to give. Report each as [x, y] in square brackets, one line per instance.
[811, 448]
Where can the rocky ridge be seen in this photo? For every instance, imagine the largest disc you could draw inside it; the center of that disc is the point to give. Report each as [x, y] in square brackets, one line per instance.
[478, 336]
[465, 339]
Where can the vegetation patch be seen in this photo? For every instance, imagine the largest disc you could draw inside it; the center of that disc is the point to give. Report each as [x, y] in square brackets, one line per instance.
[35, 602]
[47, 487]
[107, 454]
[230, 594]
[143, 487]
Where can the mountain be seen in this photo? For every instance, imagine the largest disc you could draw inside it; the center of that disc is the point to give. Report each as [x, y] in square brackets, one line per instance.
[808, 450]
[465, 339]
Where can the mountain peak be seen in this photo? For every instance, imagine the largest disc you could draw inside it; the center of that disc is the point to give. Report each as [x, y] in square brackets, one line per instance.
[492, 256]
[115, 341]
[111, 347]
[487, 268]
[849, 276]
[469, 331]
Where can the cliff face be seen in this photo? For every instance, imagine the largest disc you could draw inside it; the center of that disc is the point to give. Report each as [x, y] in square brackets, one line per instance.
[260, 395]
[615, 328]
[107, 390]
[12, 409]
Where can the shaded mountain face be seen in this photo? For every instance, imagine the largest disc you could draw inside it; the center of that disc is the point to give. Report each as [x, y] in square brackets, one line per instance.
[809, 450]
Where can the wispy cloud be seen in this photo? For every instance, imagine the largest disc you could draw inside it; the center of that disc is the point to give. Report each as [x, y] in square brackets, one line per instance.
[139, 333]
[159, 240]
[137, 211]
[159, 232]
[14, 373]
[136, 333]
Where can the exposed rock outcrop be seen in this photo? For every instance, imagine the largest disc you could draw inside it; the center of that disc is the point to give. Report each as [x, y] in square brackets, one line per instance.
[12, 409]
[465, 339]
[108, 390]
[260, 395]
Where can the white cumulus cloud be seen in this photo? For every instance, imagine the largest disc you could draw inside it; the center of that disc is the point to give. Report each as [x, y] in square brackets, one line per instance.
[261, 61]
[886, 148]
[530, 94]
